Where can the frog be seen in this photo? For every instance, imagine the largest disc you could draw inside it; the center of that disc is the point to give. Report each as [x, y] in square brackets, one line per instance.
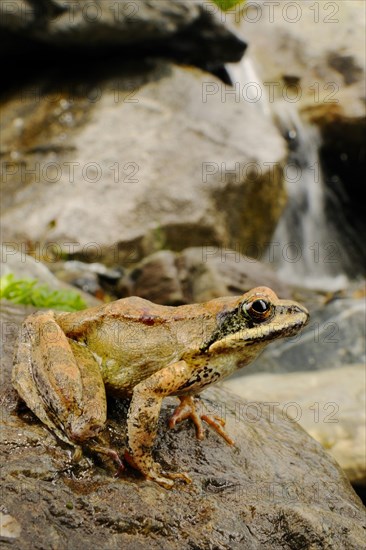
[66, 363]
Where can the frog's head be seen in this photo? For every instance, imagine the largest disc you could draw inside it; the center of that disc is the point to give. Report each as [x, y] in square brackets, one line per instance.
[255, 319]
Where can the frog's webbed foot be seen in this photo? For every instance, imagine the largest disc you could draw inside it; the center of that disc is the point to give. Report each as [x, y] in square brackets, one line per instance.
[155, 472]
[187, 409]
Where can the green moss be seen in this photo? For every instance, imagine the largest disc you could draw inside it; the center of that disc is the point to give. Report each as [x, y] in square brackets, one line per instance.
[30, 292]
[225, 5]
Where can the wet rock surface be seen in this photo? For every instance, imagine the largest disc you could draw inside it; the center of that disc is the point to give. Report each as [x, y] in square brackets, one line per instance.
[276, 488]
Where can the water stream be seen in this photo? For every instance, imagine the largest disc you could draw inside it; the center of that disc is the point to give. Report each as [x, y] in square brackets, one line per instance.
[304, 249]
[309, 251]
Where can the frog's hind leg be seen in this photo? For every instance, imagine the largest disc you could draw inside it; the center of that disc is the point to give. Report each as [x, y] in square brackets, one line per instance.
[59, 380]
[23, 382]
[94, 400]
[188, 409]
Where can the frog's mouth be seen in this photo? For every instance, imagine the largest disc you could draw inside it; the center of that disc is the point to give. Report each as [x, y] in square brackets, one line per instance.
[287, 321]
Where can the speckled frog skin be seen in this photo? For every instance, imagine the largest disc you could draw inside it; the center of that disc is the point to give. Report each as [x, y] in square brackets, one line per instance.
[66, 362]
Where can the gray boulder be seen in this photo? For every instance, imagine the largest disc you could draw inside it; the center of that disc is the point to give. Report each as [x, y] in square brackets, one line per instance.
[166, 165]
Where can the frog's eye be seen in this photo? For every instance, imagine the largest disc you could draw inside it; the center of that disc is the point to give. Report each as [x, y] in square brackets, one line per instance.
[258, 310]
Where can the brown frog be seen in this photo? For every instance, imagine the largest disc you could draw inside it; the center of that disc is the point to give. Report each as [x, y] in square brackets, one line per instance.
[66, 362]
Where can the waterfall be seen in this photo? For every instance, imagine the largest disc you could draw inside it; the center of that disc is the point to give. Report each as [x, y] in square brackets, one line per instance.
[308, 249]
[304, 249]
[250, 86]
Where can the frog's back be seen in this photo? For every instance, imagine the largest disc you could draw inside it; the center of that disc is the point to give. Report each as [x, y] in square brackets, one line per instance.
[132, 337]
[138, 310]
[131, 308]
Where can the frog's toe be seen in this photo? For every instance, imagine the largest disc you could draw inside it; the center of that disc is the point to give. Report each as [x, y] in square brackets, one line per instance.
[154, 472]
[178, 475]
[217, 423]
[110, 453]
[167, 479]
[187, 409]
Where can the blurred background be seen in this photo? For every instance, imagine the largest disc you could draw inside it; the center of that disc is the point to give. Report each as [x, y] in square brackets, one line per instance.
[178, 152]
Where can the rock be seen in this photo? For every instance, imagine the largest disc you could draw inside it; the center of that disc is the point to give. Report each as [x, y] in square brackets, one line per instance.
[9, 527]
[94, 278]
[329, 404]
[218, 271]
[24, 266]
[334, 337]
[276, 489]
[305, 56]
[157, 278]
[199, 274]
[182, 29]
[173, 192]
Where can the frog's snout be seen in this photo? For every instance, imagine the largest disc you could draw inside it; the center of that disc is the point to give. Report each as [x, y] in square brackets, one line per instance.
[294, 310]
[306, 314]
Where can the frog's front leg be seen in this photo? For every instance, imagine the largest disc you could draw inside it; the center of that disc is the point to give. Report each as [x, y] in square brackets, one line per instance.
[143, 418]
[188, 409]
[59, 380]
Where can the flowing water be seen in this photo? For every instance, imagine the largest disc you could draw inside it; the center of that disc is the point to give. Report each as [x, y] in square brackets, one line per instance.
[309, 251]
[304, 249]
